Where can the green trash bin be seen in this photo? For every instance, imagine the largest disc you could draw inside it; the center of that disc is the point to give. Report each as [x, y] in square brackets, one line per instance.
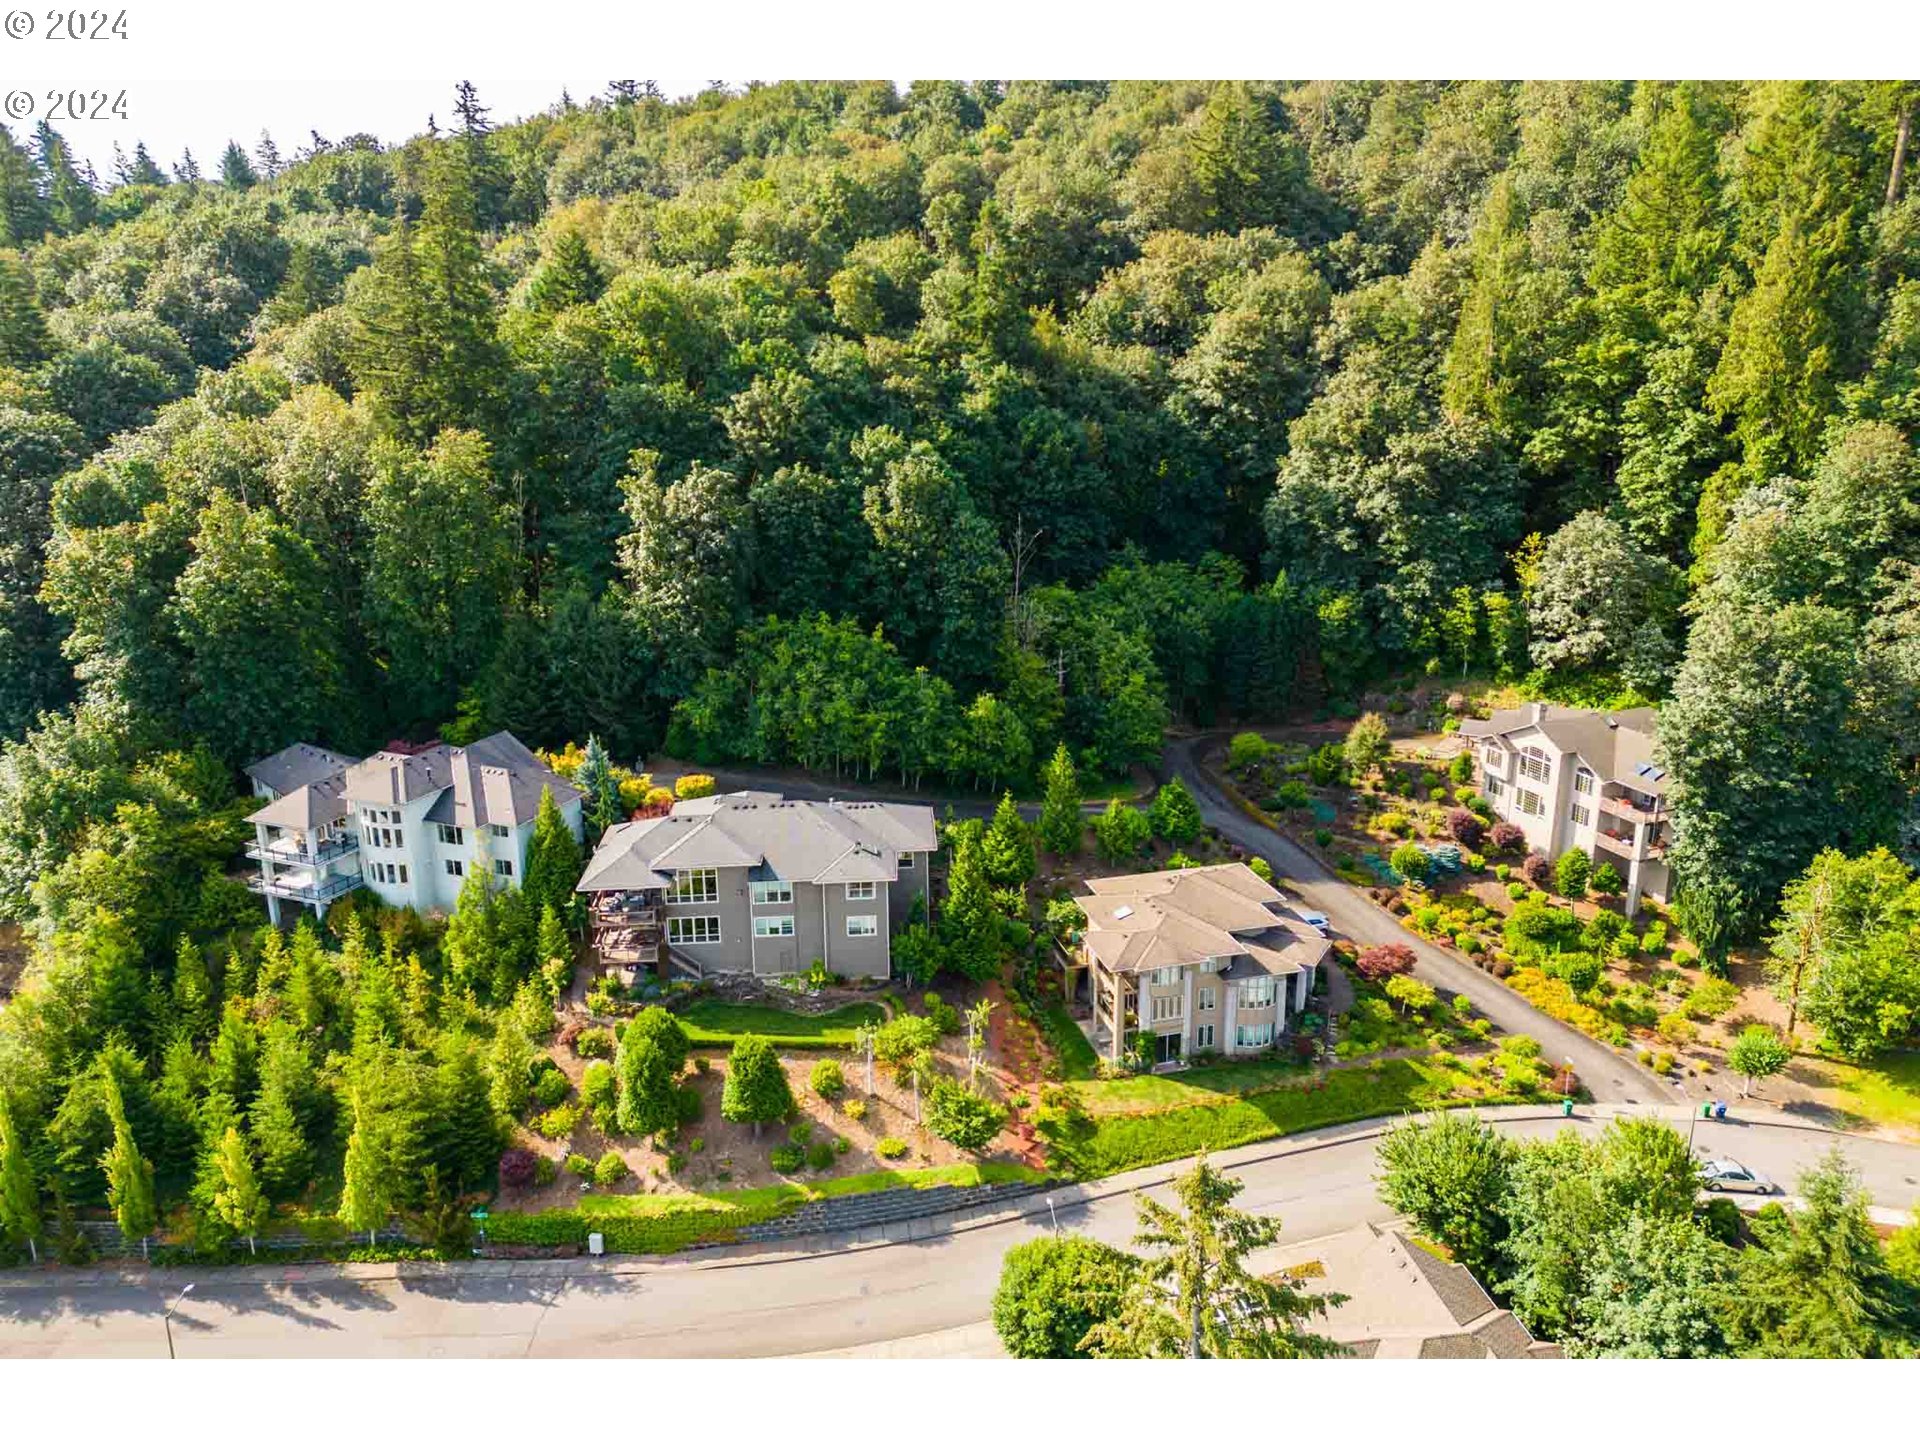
[1566, 1106]
[1706, 1109]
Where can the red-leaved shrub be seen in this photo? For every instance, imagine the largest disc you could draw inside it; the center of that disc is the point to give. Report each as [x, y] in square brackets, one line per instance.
[1382, 962]
[1536, 867]
[516, 1168]
[1507, 836]
[1465, 827]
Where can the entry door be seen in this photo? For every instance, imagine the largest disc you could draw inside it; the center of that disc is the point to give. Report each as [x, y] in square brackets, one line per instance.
[1169, 1048]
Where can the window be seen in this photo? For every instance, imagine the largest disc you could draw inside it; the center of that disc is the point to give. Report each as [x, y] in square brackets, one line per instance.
[503, 867]
[1203, 1037]
[456, 869]
[1533, 763]
[860, 890]
[1165, 975]
[1168, 1007]
[1529, 802]
[1252, 1037]
[1582, 815]
[906, 860]
[694, 887]
[1583, 780]
[499, 832]
[1495, 788]
[773, 892]
[768, 926]
[452, 835]
[863, 925]
[1256, 993]
[1207, 999]
[403, 874]
[693, 929]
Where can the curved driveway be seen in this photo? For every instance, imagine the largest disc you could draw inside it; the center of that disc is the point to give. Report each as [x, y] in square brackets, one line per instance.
[1609, 1075]
[925, 1296]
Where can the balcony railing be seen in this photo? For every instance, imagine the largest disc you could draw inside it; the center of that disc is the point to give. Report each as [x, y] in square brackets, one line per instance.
[330, 888]
[285, 853]
[1618, 844]
[1625, 809]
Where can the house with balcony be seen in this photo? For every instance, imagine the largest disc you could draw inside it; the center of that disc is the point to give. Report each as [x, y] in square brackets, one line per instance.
[409, 824]
[1590, 780]
[751, 883]
[1204, 960]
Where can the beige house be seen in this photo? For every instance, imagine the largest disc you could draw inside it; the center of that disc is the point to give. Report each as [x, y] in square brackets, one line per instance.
[1587, 780]
[752, 883]
[1403, 1301]
[1203, 960]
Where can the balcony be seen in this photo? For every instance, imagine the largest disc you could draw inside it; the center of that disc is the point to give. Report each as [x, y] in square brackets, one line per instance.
[283, 852]
[1623, 808]
[1621, 845]
[330, 888]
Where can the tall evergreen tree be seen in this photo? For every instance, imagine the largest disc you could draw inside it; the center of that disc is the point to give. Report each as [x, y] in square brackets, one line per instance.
[236, 170]
[1062, 825]
[238, 1199]
[19, 1191]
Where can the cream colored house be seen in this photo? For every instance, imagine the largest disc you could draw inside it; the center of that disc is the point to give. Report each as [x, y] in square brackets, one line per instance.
[1587, 780]
[1204, 960]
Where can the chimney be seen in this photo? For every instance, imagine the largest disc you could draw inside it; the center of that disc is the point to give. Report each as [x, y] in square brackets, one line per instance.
[1539, 708]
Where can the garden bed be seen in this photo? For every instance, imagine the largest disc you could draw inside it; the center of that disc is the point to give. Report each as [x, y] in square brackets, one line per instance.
[720, 1023]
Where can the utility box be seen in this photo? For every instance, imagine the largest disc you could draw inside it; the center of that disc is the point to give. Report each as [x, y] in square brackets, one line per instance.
[596, 1243]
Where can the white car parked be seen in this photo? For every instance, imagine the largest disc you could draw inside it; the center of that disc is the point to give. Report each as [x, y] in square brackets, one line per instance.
[1314, 918]
[1732, 1175]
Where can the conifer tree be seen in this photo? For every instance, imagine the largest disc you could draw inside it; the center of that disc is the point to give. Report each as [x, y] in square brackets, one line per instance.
[1006, 850]
[367, 1195]
[192, 991]
[509, 1065]
[554, 861]
[553, 951]
[143, 171]
[468, 1133]
[471, 947]
[129, 1173]
[652, 1050]
[568, 276]
[238, 1200]
[267, 157]
[187, 170]
[236, 1055]
[19, 1191]
[756, 1090]
[599, 789]
[236, 170]
[1062, 826]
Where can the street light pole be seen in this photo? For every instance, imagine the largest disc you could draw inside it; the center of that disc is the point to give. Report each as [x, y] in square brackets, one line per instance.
[1693, 1114]
[167, 1319]
[1053, 1214]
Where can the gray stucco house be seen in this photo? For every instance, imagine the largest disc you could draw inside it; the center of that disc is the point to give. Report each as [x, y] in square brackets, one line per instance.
[751, 883]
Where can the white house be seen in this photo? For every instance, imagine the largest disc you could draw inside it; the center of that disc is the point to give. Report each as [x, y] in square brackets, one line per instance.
[1580, 779]
[409, 825]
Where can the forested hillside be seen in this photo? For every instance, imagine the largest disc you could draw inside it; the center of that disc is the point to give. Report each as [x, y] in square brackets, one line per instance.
[914, 433]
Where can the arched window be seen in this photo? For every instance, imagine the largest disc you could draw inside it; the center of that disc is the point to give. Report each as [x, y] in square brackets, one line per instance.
[1533, 763]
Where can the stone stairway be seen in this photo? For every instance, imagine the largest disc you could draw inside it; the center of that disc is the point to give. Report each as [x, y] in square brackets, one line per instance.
[885, 1207]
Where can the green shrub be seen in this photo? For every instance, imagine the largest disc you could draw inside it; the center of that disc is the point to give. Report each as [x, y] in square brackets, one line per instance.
[1463, 1007]
[1323, 837]
[1411, 861]
[688, 1105]
[960, 1117]
[786, 1159]
[1460, 771]
[891, 1148]
[557, 1123]
[581, 1165]
[609, 1169]
[544, 1170]
[1711, 999]
[1328, 764]
[1516, 890]
[1395, 822]
[1260, 867]
[592, 1043]
[821, 1155]
[1469, 945]
[841, 1145]
[801, 1132]
[1653, 940]
[550, 1087]
[1605, 880]
[1293, 796]
[1502, 871]
[1663, 1063]
[597, 1084]
[1570, 874]
[946, 1018]
[827, 1079]
[856, 1109]
[1246, 749]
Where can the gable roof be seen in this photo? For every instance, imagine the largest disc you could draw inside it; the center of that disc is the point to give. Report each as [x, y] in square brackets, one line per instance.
[1181, 917]
[299, 764]
[809, 841]
[495, 781]
[307, 808]
[1617, 745]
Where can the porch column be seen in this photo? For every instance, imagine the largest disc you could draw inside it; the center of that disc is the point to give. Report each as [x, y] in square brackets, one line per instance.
[1117, 1023]
[1186, 1010]
[273, 906]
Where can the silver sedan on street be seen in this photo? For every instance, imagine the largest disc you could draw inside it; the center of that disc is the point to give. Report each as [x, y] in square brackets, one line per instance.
[1732, 1175]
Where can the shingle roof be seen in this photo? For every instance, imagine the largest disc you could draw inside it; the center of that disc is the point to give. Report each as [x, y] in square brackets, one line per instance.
[1181, 917]
[1453, 1284]
[308, 808]
[495, 781]
[299, 764]
[816, 842]
[1618, 745]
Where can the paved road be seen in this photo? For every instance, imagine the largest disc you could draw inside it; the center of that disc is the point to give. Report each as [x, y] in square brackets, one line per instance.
[926, 1297]
[1610, 1076]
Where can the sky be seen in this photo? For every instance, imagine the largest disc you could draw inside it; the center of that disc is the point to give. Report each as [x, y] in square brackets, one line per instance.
[200, 72]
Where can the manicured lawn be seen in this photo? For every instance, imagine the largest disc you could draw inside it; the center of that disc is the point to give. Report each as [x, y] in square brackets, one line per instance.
[713, 1022]
[1884, 1091]
[1201, 1085]
[1077, 1056]
[1117, 1142]
[659, 1224]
